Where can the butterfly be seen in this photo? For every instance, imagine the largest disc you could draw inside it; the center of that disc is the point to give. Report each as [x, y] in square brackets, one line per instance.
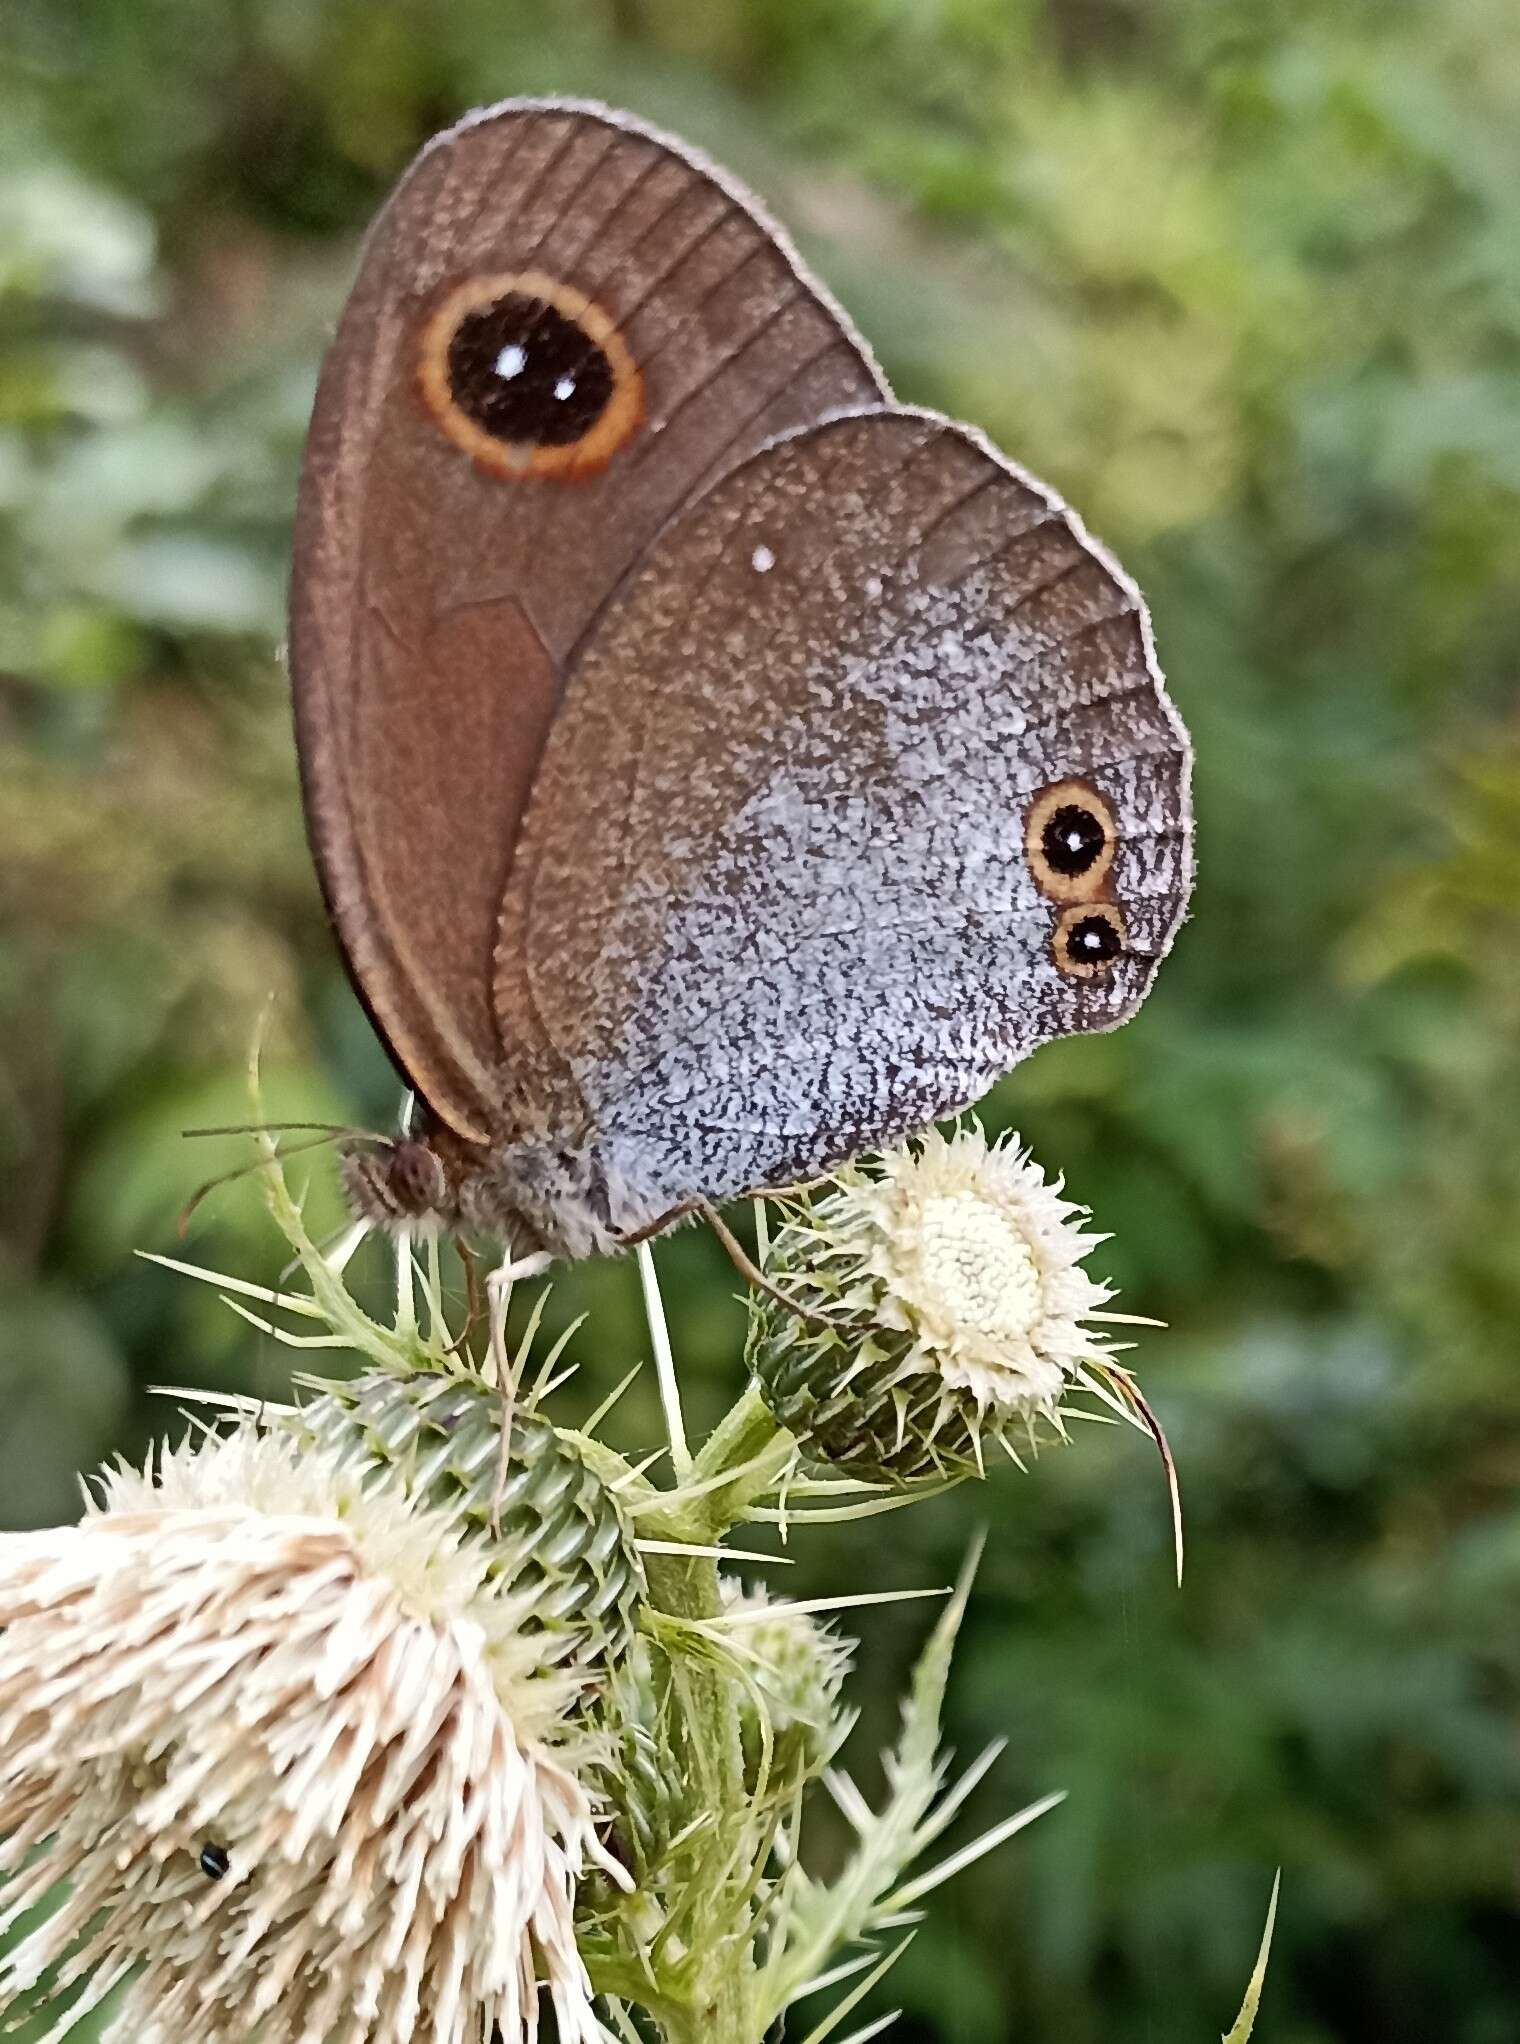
[714, 768]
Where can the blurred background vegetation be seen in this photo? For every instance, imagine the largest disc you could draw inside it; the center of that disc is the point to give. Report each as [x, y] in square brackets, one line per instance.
[1243, 280]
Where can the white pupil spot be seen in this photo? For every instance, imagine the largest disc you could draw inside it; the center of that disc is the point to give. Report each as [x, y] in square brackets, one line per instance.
[762, 560]
[511, 362]
[1092, 940]
[1074, 841]
[565, 388]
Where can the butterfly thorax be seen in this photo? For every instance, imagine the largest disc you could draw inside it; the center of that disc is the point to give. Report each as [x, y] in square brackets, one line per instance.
[527, 1193]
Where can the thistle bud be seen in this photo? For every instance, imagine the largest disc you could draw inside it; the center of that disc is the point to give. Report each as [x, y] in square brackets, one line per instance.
[944, 1302]
[797, 1668]
[439, 1435]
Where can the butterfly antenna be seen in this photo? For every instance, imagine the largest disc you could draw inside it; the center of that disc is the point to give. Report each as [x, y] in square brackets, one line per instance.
[277, 1128]
[751, 1272]
[182, 1221]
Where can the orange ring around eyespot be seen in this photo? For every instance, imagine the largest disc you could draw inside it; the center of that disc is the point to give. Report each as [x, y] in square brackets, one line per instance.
[517, 460]
[1081, 912]
[1064, 887]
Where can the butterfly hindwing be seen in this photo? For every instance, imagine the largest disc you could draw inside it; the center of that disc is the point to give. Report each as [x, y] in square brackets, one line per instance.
[865, 786]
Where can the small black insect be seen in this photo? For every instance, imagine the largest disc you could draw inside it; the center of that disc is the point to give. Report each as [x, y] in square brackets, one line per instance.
[214, 1861]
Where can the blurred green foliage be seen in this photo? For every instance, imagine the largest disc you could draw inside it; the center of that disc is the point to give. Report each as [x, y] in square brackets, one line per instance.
[1243, 280]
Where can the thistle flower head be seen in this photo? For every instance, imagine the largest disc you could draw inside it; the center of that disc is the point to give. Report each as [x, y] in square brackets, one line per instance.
[948, 1301]
[305, 1771]
[979, 1258]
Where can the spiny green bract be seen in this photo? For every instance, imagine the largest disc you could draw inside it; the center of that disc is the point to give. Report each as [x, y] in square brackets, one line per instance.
[559, 1527]
[641, 1784]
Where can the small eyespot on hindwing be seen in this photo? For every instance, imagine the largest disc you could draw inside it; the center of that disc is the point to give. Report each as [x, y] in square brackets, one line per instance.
[1088, 938]
[1069, 840]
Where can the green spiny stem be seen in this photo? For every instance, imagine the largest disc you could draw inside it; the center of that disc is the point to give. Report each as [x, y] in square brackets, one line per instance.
[750, 1449]
[709, 1996]
[715, 2007]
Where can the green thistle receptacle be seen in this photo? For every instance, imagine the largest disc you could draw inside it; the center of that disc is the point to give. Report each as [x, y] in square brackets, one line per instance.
[439, 1433]
[857, 1405]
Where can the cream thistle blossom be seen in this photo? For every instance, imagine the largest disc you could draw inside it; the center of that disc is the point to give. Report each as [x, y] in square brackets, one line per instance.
[946, 1300]
[298, 1758]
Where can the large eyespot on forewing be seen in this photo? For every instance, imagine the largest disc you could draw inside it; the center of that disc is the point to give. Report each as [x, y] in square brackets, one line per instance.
[529, 377]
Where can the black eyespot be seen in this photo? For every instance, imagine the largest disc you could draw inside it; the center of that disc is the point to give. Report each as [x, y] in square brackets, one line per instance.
[527, 374]
[529, 377]
[1093, 940]
[1072, 840]
[214, 1861]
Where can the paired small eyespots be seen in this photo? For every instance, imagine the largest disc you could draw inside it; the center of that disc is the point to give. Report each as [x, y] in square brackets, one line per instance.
[1070, 839]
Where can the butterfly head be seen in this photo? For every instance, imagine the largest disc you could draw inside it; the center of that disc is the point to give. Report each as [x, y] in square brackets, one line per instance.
[534, 1195]
[400, 1183]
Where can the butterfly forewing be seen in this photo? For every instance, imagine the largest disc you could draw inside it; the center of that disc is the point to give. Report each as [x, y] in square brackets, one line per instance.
[564, 329]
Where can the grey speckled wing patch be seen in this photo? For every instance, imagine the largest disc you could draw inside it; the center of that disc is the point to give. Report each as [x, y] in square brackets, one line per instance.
[773, 901]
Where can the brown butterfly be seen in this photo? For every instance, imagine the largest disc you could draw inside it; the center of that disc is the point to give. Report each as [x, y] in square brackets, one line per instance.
[714, 769]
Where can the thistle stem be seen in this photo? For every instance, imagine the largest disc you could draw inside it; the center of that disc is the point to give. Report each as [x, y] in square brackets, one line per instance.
[716, 2004]
[743, 1460]
[749, 1441]
[743, 1431]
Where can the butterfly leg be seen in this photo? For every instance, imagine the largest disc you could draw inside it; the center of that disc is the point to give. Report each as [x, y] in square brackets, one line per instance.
[749, 1270]
[472, 1299]
[666, 1220]
[499, 1283]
